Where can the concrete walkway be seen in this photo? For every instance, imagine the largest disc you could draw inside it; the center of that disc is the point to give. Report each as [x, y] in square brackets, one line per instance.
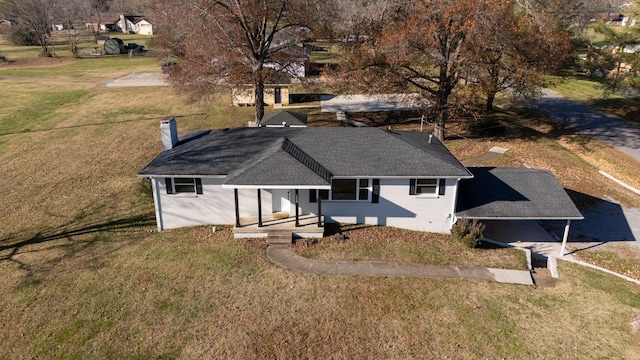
[282, 255]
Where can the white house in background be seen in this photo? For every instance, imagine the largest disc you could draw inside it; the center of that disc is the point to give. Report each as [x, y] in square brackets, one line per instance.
[365, 175]
[134, 24]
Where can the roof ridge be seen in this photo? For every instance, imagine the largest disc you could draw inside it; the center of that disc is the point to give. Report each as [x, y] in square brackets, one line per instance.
[306, 160]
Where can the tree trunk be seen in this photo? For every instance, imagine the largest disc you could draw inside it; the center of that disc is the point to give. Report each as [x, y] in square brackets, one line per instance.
[490, 97]
[442, 115]
[259, 103]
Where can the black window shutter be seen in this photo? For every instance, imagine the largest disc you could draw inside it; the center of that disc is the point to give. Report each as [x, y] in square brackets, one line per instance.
[312, 196]
[198, 186]
[169, 185]
[412, 187]
[375, 194]
[441, 187]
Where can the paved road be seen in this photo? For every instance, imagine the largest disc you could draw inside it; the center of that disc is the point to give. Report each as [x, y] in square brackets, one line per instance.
[614, 132]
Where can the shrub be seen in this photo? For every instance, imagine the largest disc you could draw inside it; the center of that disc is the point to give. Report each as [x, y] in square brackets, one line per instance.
[468, 232]
[23, 36]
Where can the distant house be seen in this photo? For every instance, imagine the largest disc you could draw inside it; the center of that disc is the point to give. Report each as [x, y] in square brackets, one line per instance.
[283, 119]
[129, 24]
[258, 178]
[7, 23]
[133, 24]
[103, 24]
[274, 94]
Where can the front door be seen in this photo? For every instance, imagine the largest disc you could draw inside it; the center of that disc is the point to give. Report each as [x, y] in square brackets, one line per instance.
[277, 95]
[280, 200]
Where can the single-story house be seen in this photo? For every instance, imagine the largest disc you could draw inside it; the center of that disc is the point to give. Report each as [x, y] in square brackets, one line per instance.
[103, 24]
[404, 179]
[134, 24]
[283, 119]
[273, 94]
[123, 23]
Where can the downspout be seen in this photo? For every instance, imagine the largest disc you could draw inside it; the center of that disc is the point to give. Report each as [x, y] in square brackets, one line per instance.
[157, 204]
[453, 207]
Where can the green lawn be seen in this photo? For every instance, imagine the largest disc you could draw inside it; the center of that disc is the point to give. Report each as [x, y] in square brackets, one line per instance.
[85, 274]
[592, 93]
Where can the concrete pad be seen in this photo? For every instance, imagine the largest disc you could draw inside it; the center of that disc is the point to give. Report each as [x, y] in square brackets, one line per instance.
[512, 276]
[141, 79]
[499, 150]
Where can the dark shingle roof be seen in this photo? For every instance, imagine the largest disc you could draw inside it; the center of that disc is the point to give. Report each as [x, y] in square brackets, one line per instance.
[340, 151]
[283, 163]
[514, 193]
[279, 117]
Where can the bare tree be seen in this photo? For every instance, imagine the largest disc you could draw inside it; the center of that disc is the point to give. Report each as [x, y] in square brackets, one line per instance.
[513, 47]
[423, 47]
[37, 15]
[232, 42]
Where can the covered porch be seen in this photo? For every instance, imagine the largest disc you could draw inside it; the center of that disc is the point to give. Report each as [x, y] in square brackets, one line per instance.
[306, 226]
[286, 170]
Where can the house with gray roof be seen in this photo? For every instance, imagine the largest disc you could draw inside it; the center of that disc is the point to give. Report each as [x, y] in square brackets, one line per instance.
[261, 179]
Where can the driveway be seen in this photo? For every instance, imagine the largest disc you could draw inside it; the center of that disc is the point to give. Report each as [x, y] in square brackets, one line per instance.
[366, 103]
[623, 136]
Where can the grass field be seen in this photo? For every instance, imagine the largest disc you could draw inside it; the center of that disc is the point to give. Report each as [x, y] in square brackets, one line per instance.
[86, 275]
[591, 92]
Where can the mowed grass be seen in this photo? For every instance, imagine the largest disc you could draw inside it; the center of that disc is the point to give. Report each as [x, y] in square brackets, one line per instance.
[133, 293]
[592, 92]
[365, 242]
[86, 275]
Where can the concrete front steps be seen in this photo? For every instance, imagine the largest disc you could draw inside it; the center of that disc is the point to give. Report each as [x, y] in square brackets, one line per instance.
[279, 237]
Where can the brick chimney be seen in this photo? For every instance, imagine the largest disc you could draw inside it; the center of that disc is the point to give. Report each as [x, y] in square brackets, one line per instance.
[169, 133]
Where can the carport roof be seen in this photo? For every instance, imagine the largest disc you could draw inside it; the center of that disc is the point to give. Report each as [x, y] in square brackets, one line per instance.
[514, 194]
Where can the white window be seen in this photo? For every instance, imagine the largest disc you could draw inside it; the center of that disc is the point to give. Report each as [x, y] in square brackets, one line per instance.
[350, 189]
[427, 187]
[182, 185]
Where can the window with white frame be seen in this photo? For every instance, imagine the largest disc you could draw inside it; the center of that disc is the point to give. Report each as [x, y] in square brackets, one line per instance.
[184, 185]
[427, 187]
[350, 189]
[345, 190]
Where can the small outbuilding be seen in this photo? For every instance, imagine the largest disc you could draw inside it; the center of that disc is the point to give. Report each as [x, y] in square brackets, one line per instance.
[283, 119]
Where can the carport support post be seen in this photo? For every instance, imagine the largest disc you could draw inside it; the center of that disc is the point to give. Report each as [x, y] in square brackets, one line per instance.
[565, 237]
[319, 211]
[235, 198]
[259, 209]
[297, 210]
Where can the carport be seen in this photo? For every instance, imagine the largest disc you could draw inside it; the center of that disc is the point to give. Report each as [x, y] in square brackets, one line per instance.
[500, 193]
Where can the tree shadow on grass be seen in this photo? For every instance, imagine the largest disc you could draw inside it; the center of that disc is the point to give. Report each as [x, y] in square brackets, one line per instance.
[75, 231]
